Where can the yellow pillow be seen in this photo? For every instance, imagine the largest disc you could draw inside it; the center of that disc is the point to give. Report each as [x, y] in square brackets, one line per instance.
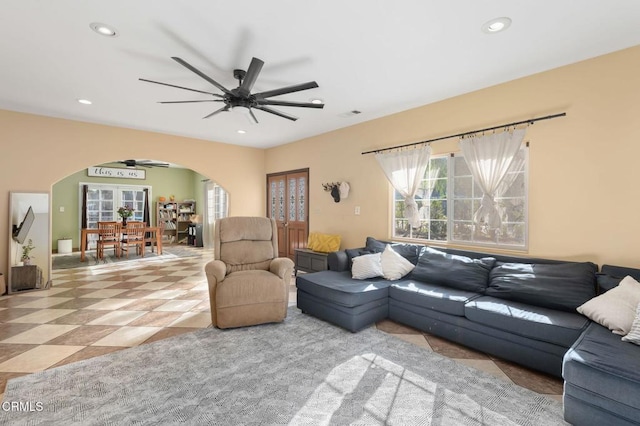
[324, 243]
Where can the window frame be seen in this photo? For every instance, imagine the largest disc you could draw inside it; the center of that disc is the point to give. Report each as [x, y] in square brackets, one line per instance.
[450, 241]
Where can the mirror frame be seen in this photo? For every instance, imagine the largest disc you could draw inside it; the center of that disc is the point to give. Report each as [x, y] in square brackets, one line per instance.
[40, 233]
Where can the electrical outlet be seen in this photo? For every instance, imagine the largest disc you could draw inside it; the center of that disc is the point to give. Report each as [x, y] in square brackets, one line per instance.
[61, 209]
[357, 210]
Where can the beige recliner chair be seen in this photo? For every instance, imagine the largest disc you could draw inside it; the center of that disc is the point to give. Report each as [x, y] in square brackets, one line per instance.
[248, 283]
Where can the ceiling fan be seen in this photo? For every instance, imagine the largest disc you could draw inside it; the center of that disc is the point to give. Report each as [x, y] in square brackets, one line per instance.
[241, 97]
[142, 163]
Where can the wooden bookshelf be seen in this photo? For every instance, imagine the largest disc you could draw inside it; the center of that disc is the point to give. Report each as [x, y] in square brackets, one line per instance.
[176, 217]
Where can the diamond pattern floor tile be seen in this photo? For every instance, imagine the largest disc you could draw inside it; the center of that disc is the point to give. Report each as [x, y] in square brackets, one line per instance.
[99, 309]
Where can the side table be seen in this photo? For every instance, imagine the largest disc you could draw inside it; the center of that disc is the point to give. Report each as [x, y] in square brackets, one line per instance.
[310, 261]
[26, 277]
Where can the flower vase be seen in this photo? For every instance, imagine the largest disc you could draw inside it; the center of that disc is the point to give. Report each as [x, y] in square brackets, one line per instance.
[124, 222]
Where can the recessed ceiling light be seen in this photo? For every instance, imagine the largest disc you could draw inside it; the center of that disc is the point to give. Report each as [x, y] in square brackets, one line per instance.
[496, 25]
[103, 29]
[316, 101]
[85, 101]
[242, 132]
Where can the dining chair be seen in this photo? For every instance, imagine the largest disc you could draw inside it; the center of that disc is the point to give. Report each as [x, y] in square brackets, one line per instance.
[108, 235]
[153, 237]
[133, 235]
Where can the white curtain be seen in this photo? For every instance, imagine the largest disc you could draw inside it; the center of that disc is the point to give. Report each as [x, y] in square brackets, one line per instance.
[405, 169]
[489, 158]
[208, 219]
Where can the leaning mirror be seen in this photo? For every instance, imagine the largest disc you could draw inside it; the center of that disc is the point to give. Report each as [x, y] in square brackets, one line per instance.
[29, 242]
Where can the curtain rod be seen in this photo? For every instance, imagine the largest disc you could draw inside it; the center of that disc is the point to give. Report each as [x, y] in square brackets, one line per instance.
[530, 121]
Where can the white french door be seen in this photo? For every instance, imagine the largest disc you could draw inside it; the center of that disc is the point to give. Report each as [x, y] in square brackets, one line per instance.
[216, 207]
[103, 202]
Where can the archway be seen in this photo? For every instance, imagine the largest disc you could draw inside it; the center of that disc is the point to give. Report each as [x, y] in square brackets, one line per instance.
[89, 195]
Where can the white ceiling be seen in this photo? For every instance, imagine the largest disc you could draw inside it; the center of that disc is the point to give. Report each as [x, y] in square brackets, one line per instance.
[376, 56]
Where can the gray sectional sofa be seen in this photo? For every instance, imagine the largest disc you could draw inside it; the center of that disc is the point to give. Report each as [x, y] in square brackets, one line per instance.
[519, 309]
[601, 372]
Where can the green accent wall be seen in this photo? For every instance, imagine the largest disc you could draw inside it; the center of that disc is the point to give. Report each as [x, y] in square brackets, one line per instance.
[182, 183]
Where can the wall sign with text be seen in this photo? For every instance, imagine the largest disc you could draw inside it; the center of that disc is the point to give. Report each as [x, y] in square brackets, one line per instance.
[113, 172]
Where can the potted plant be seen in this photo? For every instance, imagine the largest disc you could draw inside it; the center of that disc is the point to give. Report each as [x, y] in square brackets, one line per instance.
[26, 252]
[125, 213]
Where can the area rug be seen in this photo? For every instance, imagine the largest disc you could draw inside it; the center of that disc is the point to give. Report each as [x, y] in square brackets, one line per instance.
[301, 371]
[72, 260]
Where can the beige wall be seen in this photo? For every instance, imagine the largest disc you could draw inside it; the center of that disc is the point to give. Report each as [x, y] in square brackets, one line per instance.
[39, 151]
[584, 194]
[583, 191]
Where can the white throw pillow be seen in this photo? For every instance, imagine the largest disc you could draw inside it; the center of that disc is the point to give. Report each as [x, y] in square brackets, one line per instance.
[615, 309]
[394, 266]
[366, 266]
[634, 334]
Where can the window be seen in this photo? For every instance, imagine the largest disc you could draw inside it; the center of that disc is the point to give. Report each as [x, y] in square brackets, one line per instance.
[448, 198]
[217, 202]
[103, 202]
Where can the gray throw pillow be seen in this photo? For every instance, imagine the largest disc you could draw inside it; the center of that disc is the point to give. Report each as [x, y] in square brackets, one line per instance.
[450, 270]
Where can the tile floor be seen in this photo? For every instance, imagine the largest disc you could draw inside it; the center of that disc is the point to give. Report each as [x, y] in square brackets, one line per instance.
[100, 309]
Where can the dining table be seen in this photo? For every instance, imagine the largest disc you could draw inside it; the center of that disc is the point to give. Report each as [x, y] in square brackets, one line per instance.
[85, 232]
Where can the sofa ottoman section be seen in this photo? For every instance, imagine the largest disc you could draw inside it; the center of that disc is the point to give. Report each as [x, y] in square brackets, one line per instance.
[336, 298]
[602, 380]
[543, 324]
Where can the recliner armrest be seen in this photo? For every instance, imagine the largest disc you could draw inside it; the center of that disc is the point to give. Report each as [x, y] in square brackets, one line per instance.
[215, 270]
[282, 267]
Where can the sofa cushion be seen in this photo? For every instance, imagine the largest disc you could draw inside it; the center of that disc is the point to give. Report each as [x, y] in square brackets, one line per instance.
[607, 368]
[615, 309]
[621, 271]
[451, 270]
[535, 322]
[366, 266]
[438, 298]
[411, 252]
[394, 266]
[353, 253]
[338, 287]
[606, 282]
[563, 286]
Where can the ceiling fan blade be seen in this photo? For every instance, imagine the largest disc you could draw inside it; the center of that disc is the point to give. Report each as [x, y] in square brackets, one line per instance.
[292, 104]
[224, 108]
[275, 112]
[179, 87]
[252, 117]
[201, 74]
[148, 163]
[188, 102]
[285, 90]
[250, 78]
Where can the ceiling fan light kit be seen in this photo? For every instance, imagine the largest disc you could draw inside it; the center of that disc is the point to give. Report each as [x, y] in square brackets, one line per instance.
[241, 99]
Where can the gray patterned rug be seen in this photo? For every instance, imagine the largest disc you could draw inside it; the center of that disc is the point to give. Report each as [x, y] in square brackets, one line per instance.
[302, 371]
